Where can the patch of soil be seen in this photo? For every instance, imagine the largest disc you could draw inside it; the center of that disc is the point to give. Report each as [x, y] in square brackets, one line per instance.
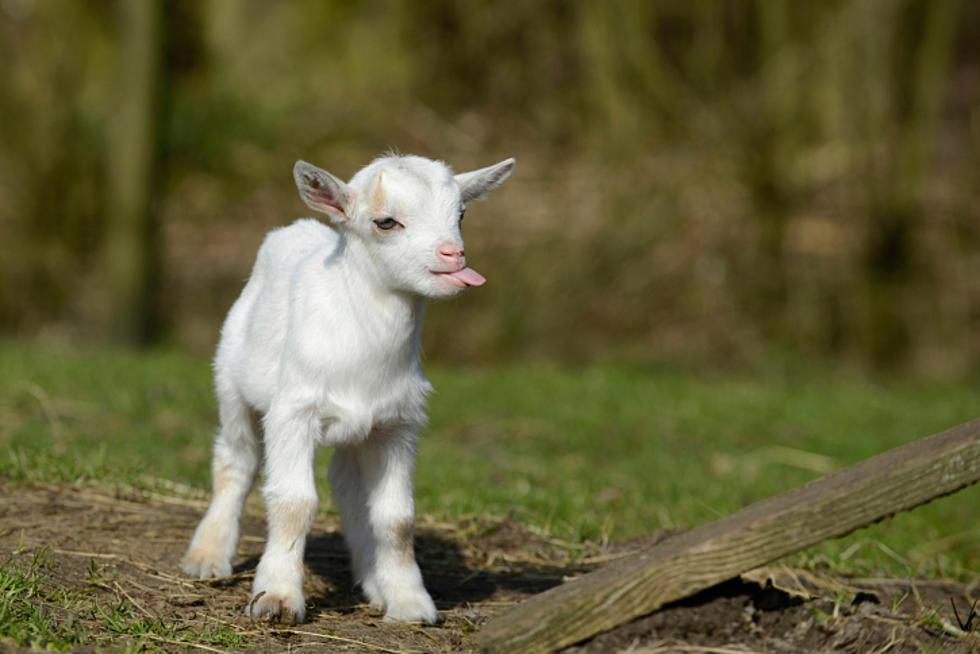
[814, 615]
[122, 546]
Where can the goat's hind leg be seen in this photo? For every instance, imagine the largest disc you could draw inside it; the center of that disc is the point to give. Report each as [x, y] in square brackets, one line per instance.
[351, 501]
[233, 467]
[383, 523]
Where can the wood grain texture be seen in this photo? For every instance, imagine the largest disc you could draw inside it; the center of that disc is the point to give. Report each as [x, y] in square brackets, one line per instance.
[829, 507]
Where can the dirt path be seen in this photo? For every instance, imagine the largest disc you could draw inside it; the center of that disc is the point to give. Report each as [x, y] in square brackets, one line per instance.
[121, 548]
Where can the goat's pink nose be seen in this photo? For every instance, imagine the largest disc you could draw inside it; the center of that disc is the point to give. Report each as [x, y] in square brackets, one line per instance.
[451, 253]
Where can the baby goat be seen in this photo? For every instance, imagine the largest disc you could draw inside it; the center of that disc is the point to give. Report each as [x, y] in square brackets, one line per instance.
[323, 344]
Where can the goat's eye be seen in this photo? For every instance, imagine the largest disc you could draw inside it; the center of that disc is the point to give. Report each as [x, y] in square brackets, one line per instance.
[386, 223]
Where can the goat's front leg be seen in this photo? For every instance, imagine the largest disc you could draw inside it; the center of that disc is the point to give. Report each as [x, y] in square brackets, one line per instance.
[291, 503]
[372, 484]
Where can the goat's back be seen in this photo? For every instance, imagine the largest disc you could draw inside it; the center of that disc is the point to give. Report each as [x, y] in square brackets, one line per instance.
[252, 337]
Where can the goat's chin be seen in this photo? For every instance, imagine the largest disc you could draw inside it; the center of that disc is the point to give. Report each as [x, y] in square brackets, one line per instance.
[443, 286]
[444, 291]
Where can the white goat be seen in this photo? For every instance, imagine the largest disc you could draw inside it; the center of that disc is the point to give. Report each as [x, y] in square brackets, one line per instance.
[323, 343]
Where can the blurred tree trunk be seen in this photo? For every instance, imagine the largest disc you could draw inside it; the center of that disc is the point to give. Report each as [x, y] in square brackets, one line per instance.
[920, 51]
[767, 132]
[131, 259]
[773, 152]
[634, 92]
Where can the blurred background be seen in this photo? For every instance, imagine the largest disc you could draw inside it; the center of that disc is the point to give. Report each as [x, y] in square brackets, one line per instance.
[713, 183]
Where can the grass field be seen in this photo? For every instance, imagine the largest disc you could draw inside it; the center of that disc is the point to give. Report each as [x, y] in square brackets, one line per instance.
[591, 453]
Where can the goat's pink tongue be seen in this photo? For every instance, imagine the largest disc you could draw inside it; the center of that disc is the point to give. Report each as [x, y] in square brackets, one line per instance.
[469, 277]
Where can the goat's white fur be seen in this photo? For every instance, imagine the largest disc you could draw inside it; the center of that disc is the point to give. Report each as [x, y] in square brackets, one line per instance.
[323, 344]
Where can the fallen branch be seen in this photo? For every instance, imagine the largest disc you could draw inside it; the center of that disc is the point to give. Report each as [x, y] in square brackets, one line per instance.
[830, 507]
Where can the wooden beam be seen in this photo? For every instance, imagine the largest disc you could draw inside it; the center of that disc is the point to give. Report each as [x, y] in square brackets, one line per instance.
[829, 507]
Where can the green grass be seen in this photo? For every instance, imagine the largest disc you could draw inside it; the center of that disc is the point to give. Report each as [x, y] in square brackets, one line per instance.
[620, 451]
[607, 451]
[31, 613]
[41, 614]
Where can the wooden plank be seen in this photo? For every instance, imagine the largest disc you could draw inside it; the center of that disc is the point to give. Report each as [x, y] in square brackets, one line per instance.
[829, 507]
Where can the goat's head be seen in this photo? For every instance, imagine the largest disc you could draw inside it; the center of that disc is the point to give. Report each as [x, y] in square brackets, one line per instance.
[407, 212]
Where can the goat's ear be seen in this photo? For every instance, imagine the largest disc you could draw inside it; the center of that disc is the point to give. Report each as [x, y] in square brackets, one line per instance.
[475, 184]
[323, 192]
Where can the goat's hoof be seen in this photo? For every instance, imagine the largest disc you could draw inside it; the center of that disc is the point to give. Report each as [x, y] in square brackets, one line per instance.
[373, 594]
[412, 608]
[204, 565]
[286, 609]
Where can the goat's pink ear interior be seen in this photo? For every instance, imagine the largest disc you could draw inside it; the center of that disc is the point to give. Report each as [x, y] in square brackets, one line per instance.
[323, 192]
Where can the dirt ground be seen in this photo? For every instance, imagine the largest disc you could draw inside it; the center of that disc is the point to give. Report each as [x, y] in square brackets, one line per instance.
[123, 545]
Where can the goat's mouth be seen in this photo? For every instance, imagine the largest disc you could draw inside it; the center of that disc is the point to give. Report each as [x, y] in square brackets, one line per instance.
[462, 278]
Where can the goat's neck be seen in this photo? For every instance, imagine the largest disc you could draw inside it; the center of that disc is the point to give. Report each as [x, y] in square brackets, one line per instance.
[401, 311]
